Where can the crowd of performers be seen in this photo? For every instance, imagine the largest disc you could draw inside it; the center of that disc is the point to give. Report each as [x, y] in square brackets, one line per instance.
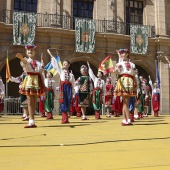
[129, 96]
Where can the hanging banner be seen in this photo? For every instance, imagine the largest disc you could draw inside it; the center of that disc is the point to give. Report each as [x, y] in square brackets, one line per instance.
[85, 35]
[24, 25]
[139, 39]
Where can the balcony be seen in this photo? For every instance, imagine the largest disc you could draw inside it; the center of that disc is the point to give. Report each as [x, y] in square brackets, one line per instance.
[68, 22]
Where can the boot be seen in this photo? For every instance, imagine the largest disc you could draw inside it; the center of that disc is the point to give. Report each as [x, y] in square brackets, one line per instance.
[155, 114]
[64, 118]
[50, 115]
[78, 114]
[116, 114]
[131, 116]
[97, 114]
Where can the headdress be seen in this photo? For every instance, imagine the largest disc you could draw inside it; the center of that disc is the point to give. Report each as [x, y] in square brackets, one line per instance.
[30, 47]
[123, 51]
[83, 67]
[109, 78]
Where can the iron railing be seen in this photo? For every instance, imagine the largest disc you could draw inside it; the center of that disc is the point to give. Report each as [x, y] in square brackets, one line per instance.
[68, 22]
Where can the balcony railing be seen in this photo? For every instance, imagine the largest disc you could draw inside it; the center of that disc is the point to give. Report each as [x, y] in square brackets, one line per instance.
[68, 22]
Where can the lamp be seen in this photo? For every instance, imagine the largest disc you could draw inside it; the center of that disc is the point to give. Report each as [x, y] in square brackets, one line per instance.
[112, 5]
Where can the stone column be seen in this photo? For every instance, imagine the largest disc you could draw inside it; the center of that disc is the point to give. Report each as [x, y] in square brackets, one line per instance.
[160, 17]
[164, 89]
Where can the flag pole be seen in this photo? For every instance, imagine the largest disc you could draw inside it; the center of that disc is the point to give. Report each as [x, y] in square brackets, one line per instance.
[6, 81]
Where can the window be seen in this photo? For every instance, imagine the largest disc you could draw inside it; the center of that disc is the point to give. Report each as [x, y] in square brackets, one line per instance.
[134, 11]
[83, 8]
[25, 5]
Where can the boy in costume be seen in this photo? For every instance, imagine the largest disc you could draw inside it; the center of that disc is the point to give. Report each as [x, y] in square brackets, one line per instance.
[98, 91]
[66, 86]
[50, 95]
[33, 84]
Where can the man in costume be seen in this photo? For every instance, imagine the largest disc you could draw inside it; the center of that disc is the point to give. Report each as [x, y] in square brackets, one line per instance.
[109, 88]
[66, 86]
[85, 87]
[155, 97]
[23, 98]
[50, 95]
[147, 99]
[2, 94]
[126, 85]
[98, 91]
[33, 84]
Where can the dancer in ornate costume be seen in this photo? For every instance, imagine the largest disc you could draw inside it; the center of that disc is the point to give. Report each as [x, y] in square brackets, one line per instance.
[2, 94]
[33, 84]
[66, 86]
[23, 98]
[85, 87]
[155, 97]
[126, 85]
[98, 91]
[50, 95]
[108, 95]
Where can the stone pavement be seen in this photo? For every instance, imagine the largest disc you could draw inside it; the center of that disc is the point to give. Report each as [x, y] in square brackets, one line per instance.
[85, 145]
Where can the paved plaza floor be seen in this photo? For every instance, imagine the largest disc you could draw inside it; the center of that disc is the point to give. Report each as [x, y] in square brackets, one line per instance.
[85, 145]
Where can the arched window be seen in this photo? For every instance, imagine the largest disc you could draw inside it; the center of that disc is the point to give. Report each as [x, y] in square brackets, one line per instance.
[25, 5]
[83, 8]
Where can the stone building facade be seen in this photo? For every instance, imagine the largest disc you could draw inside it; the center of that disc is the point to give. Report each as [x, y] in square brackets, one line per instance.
[55, 29]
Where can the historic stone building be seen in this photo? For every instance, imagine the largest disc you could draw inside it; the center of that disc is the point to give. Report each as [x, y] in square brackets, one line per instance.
[55, 29]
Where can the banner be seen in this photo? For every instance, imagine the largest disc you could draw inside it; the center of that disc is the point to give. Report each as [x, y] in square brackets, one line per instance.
[24, 25]
[85, 35]
[106, 66]
[139, 39]
[157, 74]
[8, 73]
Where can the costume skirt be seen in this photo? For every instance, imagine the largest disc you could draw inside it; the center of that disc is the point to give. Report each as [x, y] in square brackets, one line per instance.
[32, 85]
[84, 100]
[125, 86]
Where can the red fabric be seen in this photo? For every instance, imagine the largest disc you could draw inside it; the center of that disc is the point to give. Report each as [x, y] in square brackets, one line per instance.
[118, 105]
[33, 64]
[72, 107]
[41, 107]
[61, 90]
[155, 102]
[77, 108]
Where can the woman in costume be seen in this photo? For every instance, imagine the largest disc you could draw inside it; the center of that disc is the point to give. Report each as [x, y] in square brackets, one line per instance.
[98, 91]
[109, 89]
[33, 84]
[126, 85]
[155, 97]
[2, 94]
[50, 95]
[23, 98]
[85, 87]
[66, 86]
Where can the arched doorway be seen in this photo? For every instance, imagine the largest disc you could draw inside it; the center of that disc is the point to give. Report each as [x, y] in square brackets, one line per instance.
[75, 68]
[16, 71]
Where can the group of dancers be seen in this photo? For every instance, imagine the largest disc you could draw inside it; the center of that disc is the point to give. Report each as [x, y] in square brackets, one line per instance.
[129, 96]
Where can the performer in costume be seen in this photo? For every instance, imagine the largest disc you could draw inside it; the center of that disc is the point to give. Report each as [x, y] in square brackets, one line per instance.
[33, 84]
[108, 95]
[85, 88]
[146, 105]
[155, 97]
[66, 86]
[126, 85]
[41, 106]
[76, 101]
[50, 95]
[98, 91]
[2, 94]
[23, 98]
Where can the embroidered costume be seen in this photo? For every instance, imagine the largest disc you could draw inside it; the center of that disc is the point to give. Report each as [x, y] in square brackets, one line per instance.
[98, 93]
[2, 94]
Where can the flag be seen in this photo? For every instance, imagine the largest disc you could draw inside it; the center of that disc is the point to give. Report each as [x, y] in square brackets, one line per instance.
[42, 59]
[106, 65]
[139, 39]
[157, 74]
[8, 74]
[50, 68]
[24, 25]
[85, 35]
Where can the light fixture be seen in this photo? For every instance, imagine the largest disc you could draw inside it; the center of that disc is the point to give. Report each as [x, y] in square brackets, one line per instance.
[112, 4]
